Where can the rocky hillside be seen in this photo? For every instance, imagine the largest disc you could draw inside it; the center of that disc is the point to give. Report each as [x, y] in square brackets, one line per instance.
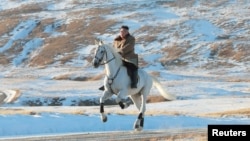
[177, 34]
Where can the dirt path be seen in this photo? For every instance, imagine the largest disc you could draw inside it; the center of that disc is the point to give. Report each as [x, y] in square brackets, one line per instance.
[169, 135]
[9, 96]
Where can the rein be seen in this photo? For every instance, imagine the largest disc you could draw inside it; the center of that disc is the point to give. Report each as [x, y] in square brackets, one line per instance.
[108, 60]
[110, 80]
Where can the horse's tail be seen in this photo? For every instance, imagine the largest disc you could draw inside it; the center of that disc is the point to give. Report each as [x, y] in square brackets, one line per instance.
[162, 91]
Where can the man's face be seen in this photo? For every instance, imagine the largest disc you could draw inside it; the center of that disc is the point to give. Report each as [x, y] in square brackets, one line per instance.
[123, 32]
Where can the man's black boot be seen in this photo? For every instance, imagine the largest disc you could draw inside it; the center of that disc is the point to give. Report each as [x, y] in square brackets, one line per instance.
[134, 79]
[101, 88]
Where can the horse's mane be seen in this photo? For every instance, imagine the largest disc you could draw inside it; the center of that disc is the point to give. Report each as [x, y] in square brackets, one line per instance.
[115, 53]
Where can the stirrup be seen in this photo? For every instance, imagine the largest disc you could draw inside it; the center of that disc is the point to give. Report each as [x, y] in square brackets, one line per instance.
[133, 85]
[101, 88]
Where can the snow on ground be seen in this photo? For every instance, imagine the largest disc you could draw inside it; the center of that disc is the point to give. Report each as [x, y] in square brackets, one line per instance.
[199, 92]
[197, 99]
[52, 123]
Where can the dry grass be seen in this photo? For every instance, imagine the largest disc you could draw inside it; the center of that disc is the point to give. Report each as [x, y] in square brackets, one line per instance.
[196, 136]
[216, 3]
[239, 112]
[78, 110]
[167, 135]
[155, 99]
[150, 33]
[38, 32]
[78, 31]
[53, 48]
[142, 62]
[155, 73]
[242, 54]
[227, 50]
[62, 77]
[9, 20]
[4, 59]
[236, 79]
[24, 9]
[79, 78]
[11, 111]
[97, 77]
[178, 3]
[173, 53]
[81, 30]
[15, 111]
[7, 24]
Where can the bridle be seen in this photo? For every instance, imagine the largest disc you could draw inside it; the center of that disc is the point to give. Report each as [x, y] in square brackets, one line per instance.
[110, 80]
[100, 59]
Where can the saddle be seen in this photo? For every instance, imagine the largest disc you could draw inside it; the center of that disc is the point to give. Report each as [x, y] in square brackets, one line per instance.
[132, 72]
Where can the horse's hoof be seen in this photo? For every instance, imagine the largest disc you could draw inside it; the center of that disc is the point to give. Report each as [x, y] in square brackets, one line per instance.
[138, 128]
[104, 118]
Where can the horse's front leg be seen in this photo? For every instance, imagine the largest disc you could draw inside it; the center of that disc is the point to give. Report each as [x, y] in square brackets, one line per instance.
[119, 98]
[104, 97]
[138, 125]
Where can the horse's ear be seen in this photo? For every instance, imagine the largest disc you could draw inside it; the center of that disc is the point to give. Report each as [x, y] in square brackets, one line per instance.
[96, 41]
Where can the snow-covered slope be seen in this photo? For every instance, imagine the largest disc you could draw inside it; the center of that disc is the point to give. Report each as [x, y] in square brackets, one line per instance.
[194, 34]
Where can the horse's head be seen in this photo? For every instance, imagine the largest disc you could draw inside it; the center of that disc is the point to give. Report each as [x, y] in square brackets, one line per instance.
[104, 54]
[99, 54]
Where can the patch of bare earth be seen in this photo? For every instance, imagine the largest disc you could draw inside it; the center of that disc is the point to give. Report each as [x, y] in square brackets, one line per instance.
[6, 25]
[241, 112]
[79, 78]
[85, 24]
[38, 110]
[178, 3]
[167, 135]
[77, 33]
[173, 53]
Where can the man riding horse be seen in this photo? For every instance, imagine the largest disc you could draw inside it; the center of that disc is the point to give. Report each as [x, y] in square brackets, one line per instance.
[124, 43]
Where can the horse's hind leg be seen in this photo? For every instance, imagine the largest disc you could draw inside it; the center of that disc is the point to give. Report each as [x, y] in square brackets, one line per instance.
[104, 97]
[140, 103]
[136, 100]
[120, 97]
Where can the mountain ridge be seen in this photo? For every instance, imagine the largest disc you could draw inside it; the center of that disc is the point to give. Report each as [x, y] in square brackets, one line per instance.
[173, 34]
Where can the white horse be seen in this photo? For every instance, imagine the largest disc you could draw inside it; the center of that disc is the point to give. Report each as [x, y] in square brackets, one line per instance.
[118, 82]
